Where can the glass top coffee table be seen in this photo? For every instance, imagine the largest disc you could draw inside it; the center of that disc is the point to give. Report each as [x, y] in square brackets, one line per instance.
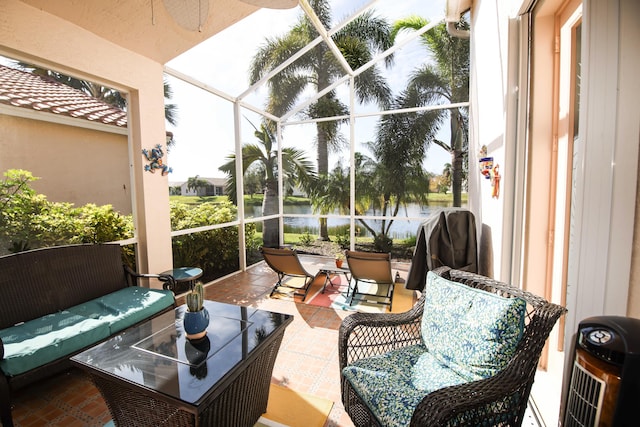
[151, 374]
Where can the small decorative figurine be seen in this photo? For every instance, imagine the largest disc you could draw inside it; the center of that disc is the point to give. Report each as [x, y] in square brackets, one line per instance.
[155, 160]
[495, 181]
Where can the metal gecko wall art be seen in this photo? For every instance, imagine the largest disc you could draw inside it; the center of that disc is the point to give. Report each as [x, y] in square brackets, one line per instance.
[154, 157]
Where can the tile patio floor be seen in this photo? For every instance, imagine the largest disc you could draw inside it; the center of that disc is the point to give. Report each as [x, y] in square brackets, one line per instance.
[307, 361]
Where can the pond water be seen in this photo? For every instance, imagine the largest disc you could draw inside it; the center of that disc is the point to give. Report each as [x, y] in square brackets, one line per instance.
[405, 224]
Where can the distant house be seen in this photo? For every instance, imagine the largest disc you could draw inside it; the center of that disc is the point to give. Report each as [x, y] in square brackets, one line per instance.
[76, 144]
[214, 187]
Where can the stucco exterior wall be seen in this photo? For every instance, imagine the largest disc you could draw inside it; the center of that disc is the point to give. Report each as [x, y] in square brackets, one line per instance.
[74, 165]
[491, 94]
[28, 34]
[488, 103]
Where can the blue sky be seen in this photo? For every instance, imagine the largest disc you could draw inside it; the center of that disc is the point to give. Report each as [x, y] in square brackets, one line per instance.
[205, 133]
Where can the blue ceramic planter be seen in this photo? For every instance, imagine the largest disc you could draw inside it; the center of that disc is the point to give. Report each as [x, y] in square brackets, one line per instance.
[195, 324]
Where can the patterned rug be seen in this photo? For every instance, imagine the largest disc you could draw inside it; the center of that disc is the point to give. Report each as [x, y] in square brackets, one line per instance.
[335, 295]
[338, 296]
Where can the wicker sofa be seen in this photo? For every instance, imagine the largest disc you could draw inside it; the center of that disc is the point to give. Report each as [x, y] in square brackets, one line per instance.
[59, 301]
[460, 357]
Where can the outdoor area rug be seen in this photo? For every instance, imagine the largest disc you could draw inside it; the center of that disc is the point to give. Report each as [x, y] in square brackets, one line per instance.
[335, 295]
[291, 285]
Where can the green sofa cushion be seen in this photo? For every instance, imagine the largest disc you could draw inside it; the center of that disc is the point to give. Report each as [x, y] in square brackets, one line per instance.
[40, 341]
[394, 383]
[125, 307]
[472, 331]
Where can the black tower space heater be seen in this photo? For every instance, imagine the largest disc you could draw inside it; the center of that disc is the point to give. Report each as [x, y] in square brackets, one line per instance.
[604, 388]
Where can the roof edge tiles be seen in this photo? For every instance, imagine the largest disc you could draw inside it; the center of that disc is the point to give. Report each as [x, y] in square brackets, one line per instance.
[26, 90]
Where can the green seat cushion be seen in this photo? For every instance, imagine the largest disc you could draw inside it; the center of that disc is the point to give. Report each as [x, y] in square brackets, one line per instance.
[125, 307]
[394, 383]
[40, 341]
[472, 331]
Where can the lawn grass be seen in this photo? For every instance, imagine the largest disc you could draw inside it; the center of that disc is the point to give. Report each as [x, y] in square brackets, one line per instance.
[196, 200]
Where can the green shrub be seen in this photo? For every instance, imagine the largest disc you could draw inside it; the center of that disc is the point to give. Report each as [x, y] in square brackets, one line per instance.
[343, 240]
[215, 251]
[306, 239]
[29, 221]
[410, 241]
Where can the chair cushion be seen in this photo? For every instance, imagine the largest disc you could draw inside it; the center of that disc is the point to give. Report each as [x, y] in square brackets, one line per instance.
[42, 340]
[394, 383]
[473, 332]
[125, 307]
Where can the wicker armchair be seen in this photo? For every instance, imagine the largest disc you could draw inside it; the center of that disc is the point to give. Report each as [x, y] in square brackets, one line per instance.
[498, 400]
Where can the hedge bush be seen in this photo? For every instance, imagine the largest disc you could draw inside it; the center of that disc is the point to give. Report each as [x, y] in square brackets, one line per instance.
[29, 221]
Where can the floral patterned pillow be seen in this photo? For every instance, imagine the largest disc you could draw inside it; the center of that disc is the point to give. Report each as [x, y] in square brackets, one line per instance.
[473, 332]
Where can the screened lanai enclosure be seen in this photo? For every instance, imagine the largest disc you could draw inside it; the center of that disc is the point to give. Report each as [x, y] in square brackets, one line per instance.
[331, 121]
[338, 102]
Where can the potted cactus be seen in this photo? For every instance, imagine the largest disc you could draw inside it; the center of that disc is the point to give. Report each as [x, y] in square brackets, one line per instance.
[196, 318]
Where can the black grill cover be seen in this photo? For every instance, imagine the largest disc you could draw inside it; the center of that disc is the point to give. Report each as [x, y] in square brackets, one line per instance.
[446, 238]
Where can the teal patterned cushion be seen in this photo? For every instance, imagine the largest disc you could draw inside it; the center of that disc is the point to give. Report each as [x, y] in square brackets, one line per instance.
[473, 332]
[125, 307]
[40, 341]
[394, 383]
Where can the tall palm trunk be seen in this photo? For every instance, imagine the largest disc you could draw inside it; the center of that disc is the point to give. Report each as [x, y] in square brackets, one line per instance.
[323, 153]
[323, 157]
[456, 157]
[270, 227]
[323, 170]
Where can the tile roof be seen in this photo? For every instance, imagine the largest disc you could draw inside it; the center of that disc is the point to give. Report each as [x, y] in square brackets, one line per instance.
[23, 89]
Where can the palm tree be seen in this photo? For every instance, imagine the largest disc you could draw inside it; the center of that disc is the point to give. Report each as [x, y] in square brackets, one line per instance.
[448, 81]
[195, 182]
[447, 173]
[170, 110]
[384, 184]
[295, 168]
[358, 41]
[399, 151]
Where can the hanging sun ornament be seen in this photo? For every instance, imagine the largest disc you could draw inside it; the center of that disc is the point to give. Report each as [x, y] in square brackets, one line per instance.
[154, 157]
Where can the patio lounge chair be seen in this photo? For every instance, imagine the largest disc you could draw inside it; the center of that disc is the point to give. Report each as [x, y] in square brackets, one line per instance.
[374, 269]
[465, 354]
[285, 263]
